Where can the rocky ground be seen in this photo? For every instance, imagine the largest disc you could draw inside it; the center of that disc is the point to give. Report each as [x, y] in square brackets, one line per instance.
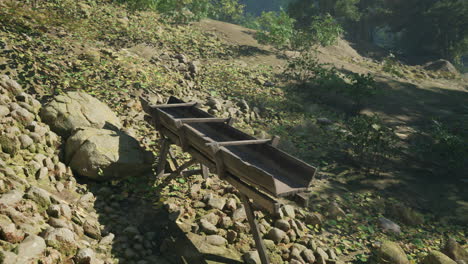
[48, 217]
[69, 189]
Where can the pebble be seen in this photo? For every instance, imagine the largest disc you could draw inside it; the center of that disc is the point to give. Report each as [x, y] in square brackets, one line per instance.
[208, 227]
[216, 240]
[283, 225]
[276, 235]
[252, 257]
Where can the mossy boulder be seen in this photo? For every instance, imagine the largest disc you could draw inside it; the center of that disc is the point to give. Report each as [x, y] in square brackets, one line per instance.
[391, 253]
[437, 257]
[72, 110]
[102, 154]
[62, 239]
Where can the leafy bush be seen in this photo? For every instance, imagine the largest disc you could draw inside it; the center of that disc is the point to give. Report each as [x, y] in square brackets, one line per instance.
[325, 30]
[184, 11]
[445, 147]
[276, 29]
[390, 65]
[370, 141]
[307, 69]
[360, 88]
[312, 74]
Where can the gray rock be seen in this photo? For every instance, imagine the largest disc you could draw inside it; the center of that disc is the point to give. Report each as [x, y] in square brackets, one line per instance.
[226, 222]
[288, 211]
[40, 196]
[212, 218]
[26, 141]
[7, 257]
[31, 247]
[208, 227]
[391, 253]
[91, 229]
[308, 256]
[85, 256]
[61, 239]
[239, 215]
[4, 111]
[389, 226]
[103, 154]
[321, 256]
[11, 85]
[216, 240]
[314, 219]
[216, 202]
[442, 66]
[107, 240]
[22, 115]
[8, 231]
[324, 121]
[436, 257]
[295, 253]
[455, 251]
[252, 257]
[283, 225]
[11, 197]
[76, 109]
[231, 204]
[59, 223]
[276, 235]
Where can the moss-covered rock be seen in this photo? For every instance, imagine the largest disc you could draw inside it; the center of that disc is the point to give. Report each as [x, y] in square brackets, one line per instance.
[391, 253]
[437, 257]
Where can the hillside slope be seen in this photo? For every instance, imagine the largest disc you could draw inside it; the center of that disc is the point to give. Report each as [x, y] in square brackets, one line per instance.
[116, 55]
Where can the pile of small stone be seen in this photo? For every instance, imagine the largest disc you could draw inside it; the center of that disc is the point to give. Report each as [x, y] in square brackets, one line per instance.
[45, 216]
[215, 220]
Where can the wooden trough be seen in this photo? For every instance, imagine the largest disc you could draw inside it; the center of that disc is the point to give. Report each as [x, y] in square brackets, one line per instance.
[260, 171]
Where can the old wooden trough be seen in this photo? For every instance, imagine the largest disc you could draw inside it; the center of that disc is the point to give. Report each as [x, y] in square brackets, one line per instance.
[260, 171]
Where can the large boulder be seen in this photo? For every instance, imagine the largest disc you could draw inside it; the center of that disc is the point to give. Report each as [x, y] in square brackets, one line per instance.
[436, 257]
[103, 154]
[391, 253]
[441, 66]
[72, 110]
[455, 251]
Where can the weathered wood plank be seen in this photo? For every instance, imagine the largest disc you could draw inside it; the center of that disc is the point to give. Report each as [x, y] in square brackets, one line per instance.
[239, 142]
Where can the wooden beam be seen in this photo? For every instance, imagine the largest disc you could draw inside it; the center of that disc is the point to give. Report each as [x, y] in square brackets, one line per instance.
[238, 142]
[173, 105]
[262, 200]
[204, 120]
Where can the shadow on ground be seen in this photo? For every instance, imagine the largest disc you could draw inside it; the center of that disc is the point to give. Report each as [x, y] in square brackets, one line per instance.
[143, 232]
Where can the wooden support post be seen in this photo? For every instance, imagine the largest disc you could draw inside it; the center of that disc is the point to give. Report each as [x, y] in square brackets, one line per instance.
[165, 145]
[254, 229]
[205, 171]
[174, 164]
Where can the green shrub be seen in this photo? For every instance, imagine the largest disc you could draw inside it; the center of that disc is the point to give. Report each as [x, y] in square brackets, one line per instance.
[390, 65]
[360, 88]
[276, 29]
[370, 142]
[311, 74]
[184, 11]
[445, 147]
[325, 30]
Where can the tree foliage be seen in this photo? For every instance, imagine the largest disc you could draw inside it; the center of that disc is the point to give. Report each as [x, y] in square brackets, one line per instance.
[276, 29]
[428, 27]
[183, 11]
